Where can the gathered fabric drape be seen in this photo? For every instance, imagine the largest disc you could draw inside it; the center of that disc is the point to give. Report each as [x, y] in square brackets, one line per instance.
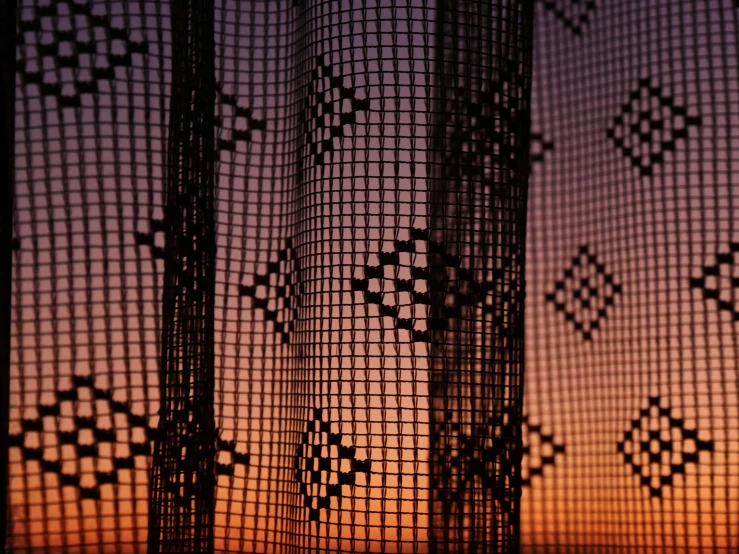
[370, 276]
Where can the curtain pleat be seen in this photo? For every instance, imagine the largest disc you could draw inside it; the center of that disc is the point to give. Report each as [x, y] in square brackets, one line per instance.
[477, 229]
[7, 184]
[182, 488]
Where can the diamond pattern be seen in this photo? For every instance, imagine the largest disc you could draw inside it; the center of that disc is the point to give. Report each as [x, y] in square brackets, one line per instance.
[657, 446]
[330, 109]
[649, 125]
[324, 466]
[574, 14]
[277, 292]
[539, 451]
[236, 122]
[461, 291]
[720, 282]
[585, 293]
[79, 437]
[80, 58]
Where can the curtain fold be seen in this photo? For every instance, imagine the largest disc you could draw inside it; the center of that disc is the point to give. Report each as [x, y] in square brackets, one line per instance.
[182, 489]
[7, 162]
[477, 228]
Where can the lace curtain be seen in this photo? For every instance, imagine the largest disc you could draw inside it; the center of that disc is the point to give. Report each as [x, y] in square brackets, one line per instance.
[278, 267]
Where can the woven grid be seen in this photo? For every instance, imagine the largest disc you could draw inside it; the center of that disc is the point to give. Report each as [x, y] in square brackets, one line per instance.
[631, 337]
[326, 266]
[271, 254]
[91, 103]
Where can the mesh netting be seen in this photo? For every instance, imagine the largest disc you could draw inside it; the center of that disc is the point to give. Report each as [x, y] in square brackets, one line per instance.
[268, 276]
[630, 418]
[92, 89]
